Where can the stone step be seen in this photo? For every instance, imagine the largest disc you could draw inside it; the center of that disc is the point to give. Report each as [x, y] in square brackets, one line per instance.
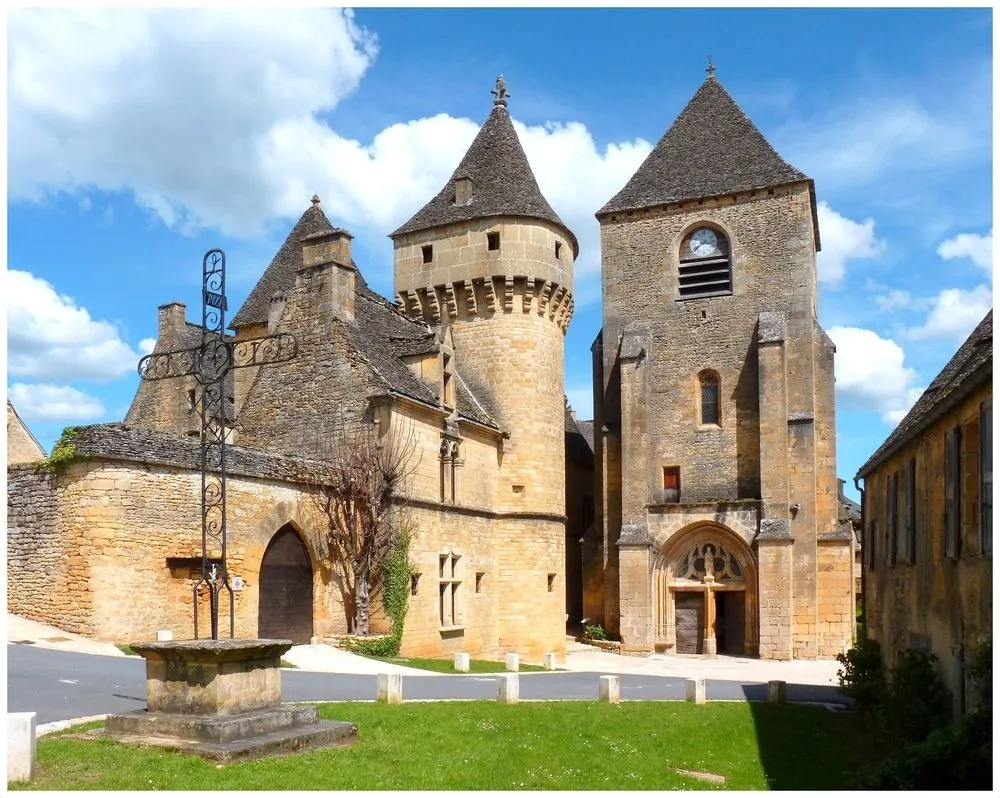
[323, 734]
[212, 728]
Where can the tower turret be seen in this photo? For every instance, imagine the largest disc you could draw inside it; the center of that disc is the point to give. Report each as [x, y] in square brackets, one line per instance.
[490, 259]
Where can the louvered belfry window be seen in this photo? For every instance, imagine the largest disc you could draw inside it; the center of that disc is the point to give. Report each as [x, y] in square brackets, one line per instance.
[705, 268]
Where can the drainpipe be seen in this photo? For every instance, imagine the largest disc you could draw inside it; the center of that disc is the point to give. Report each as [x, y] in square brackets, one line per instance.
[864, 554]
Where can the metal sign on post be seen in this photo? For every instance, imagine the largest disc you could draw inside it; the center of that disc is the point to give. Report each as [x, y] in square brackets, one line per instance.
[210, 364]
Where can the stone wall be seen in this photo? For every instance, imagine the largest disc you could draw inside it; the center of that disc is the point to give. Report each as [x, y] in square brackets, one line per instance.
[21, 445]
[939, 603]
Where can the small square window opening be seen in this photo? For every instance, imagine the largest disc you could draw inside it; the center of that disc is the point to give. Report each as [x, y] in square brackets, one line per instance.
[493, 241]
[427, 252]
[479, 582]
[414, 583]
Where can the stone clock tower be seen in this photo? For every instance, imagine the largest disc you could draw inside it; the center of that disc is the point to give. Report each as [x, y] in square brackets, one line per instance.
[714, 389]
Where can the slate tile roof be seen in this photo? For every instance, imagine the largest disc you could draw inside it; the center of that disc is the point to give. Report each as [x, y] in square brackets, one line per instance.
[502, 183]
[971, 366]
[118, 442]
[711, 149]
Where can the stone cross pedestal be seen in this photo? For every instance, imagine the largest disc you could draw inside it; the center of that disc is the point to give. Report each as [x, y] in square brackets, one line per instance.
[221, 699]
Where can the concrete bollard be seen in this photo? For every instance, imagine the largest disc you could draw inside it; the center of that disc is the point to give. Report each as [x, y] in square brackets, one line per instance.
[164, 635]
[694, 690]
[609, 689]
[507, 688]
[776, 692]
[462, 662]
[549, 661]
[513, 662]
[20, 746]
[389, 688]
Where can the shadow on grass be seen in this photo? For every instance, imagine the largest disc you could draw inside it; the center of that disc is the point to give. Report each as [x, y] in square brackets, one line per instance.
[803, 747]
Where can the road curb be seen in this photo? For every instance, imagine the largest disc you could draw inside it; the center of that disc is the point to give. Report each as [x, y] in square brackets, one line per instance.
[58, 725]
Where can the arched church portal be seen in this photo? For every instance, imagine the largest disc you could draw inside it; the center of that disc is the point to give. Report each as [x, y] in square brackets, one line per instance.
[705, 593]
[285, 603]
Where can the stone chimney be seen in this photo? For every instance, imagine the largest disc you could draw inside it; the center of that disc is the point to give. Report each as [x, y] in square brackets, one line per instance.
[172, 318]
[463, 189]
[275, 308]
[331, 251]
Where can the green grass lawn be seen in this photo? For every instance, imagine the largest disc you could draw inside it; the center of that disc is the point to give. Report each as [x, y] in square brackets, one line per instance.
[572, 745]
[448, 666]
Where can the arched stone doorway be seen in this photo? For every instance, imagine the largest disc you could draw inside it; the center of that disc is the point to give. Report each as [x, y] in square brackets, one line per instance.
[705, 593]
[285, 602]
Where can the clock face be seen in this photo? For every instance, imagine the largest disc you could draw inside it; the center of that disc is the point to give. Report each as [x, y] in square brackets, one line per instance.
[704, 242]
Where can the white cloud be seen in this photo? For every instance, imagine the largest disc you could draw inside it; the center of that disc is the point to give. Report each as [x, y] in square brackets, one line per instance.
[894, 299]
[954, 313]
[50, 337]
[872, 375]
[213, 121]
[977, 248]
[43, 402]
[842, 240]
[146, 345]
[175, 105]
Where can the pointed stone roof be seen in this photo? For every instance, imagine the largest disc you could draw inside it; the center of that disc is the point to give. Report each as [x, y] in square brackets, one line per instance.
[280, 274]
[711, 149]
[502, 182]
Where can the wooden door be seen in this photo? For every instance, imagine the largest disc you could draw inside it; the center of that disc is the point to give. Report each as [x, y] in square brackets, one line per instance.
[286, 602]
[730, 621]
[689, 621]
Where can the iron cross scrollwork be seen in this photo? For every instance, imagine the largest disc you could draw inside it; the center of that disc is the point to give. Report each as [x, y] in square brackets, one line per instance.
[210, 364]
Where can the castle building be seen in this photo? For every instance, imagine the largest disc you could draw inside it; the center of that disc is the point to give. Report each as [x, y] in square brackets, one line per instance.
[717, 506]
[467, 368]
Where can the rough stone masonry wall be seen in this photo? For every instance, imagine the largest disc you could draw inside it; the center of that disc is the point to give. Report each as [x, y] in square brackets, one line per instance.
[21, 447]
[44, 574]
[938, 603]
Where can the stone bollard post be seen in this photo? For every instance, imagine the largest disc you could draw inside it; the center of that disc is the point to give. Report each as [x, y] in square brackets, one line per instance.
[549, 661]
[507, 688]
[609, 689]
[776, 692]
[20, 746]
[389, 688]
[513, 662]
[164, 635]
[462, 662]
[695, 690]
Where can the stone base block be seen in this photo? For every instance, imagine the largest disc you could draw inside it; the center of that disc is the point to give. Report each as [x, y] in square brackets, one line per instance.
[694, 690]
[507, 688]
[609, 689]
[549, 661]
[20, 746]
[212, 728]
[512, 662]
[389, 688]
[776, 692]
[462, 662]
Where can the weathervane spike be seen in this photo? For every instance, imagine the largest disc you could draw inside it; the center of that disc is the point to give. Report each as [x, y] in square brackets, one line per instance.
[500, 92]
[710, 69]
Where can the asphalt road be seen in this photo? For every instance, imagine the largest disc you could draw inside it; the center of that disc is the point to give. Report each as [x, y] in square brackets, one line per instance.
[62, 685]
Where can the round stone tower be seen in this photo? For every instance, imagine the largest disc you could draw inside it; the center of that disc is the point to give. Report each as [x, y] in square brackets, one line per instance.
[489, 258]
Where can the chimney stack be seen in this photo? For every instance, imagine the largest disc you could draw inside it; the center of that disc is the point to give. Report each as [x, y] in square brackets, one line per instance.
[172, 318]
[331, 251]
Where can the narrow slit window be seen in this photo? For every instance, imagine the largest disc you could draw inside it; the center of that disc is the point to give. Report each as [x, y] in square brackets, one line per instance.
[493, 242]
[427, 252]
[709, 383]
[551, 582]
[558, 250]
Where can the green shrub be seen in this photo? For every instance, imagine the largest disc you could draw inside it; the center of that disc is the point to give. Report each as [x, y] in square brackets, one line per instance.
[395, 600]
[980, 669]
[916, 701]
[862, 675]
[595, 632]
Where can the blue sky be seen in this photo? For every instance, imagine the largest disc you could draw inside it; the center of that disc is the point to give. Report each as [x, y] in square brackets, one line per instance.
[140, 139]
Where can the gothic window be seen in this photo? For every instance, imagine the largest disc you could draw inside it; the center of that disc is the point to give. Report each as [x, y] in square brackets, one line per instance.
[704, 264]
[710, 558]
[708, 382]
[449, 585]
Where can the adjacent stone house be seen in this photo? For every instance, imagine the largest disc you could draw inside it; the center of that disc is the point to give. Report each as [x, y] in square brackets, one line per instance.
[22, 447]
[714, 418]
[467, 366]
[927, 514]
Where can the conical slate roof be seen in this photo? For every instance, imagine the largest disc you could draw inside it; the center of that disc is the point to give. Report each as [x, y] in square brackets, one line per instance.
[502, 181]
[711, 149]
[280, 275]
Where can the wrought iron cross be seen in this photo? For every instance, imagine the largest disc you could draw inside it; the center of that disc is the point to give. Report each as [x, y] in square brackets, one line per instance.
[210, 364]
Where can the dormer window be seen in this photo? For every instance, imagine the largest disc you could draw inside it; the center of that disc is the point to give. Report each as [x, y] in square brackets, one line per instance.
[704, 265]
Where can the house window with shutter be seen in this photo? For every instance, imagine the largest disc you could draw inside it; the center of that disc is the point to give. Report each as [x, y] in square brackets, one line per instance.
[952, 492]
[892, 522]
[986, 477]
[908, 552]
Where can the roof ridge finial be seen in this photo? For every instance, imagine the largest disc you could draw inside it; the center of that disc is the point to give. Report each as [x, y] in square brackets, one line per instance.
[710, 69]
[500, 94]
[315, 200]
